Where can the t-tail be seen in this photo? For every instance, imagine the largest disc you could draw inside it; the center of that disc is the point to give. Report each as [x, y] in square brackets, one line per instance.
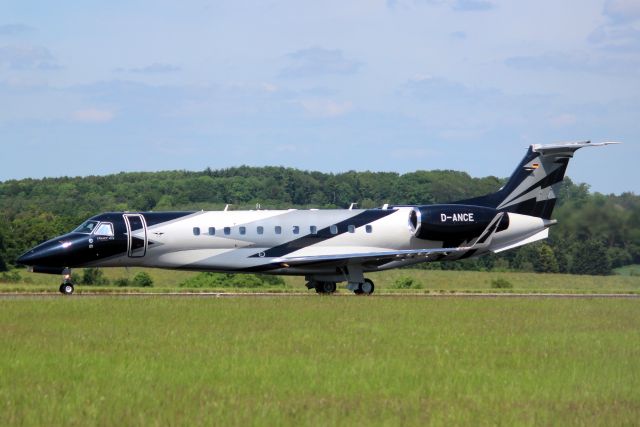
[533, 186]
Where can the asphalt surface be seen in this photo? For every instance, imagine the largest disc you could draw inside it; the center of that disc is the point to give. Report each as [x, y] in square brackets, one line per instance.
[9, 295]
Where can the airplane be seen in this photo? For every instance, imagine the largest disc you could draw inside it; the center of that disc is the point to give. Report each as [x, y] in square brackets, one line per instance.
[327, 246]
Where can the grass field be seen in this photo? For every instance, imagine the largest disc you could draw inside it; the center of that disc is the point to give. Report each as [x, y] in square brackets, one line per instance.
[319, 361]
[629, 270]
[429, 280]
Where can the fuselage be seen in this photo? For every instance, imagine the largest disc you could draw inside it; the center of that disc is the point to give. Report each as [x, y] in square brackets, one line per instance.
[262, 240]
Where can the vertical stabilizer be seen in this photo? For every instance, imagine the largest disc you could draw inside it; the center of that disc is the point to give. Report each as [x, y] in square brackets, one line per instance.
[532, 188]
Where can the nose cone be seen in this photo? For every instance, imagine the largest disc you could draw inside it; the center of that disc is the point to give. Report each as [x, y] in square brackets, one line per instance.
[57, 252]
[28, 258]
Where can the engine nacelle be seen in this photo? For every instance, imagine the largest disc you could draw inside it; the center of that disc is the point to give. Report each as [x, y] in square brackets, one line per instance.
[452, 222]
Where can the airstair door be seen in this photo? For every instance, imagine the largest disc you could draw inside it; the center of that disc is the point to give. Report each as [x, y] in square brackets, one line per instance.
[137, 235]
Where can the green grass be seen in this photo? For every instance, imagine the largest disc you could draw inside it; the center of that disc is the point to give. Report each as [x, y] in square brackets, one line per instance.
[628, 270]
[319, 361]
[430, 281]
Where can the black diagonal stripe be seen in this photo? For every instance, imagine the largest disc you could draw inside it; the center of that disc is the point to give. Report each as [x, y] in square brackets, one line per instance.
[359, 220]
[486, 235]
[553, 178]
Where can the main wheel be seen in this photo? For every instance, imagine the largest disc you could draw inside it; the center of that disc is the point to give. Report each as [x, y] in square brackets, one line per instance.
[367, 287]
[325, 287]
[67, 288]
[329, 287]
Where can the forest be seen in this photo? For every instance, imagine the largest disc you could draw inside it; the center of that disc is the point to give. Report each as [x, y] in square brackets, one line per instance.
[596, 233]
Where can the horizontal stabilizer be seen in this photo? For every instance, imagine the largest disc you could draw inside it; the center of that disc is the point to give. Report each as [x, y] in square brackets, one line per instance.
[568, 146]
[540, 235]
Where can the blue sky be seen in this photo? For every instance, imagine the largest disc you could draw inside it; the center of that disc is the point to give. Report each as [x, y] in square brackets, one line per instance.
[395, 85]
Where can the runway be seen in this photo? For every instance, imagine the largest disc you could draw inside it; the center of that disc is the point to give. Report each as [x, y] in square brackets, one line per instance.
[11, 295]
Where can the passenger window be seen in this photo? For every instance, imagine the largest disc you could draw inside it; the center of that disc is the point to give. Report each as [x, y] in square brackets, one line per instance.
[104, 229]
[243, 230]
[369, 229]
[296, 229]
[278, 229]
[227, 231]
[313, 229]
[196, 231]
[333, 229]
[212, 231]
[352, 229]
[260, 229]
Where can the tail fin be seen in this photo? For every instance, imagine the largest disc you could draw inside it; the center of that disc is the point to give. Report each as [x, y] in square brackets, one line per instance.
[532, 188]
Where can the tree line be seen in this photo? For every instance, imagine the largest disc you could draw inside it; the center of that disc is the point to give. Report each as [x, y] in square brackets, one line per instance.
[595, 233]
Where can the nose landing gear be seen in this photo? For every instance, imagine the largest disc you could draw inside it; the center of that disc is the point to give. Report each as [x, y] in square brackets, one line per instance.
[66, 287]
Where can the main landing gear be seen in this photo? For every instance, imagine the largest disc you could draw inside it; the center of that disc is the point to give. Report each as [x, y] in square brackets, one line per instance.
[322, 287]
[66, 287]
[366, 287]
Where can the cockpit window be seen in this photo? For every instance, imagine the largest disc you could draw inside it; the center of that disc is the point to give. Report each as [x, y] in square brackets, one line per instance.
[104, 229]
[86, 227]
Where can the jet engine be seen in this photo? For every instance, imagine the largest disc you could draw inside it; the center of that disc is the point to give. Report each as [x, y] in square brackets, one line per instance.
[452, 222]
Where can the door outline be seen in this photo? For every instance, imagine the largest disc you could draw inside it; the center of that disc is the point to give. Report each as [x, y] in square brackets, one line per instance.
[130, 250]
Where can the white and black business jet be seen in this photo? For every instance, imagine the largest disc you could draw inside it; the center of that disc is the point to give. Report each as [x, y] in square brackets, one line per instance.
[326, 246]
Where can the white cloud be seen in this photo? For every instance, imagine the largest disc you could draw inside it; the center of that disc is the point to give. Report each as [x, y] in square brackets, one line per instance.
[269, 87]
[576, 62]
[26, 56]
[155, 68]
[472, 5]
[429, 88]
[563, 120]
[622, 10]
[93, 115]
[316, 61]
[456, 5]
[14, 29]
[326, 107]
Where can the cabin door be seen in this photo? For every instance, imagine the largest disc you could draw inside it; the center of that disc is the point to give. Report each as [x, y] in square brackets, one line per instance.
[137, 235]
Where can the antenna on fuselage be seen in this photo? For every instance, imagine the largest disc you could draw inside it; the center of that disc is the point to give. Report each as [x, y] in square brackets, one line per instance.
[226, 207]
[353, 205]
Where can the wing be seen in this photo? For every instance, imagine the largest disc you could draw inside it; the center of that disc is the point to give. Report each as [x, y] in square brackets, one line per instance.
[384, 257]
[365, 257]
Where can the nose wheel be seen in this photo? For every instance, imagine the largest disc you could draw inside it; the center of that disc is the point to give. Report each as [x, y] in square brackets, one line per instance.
[66, 287]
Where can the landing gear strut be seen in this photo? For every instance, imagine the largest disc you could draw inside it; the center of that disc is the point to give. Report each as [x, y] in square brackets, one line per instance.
[66, 287]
